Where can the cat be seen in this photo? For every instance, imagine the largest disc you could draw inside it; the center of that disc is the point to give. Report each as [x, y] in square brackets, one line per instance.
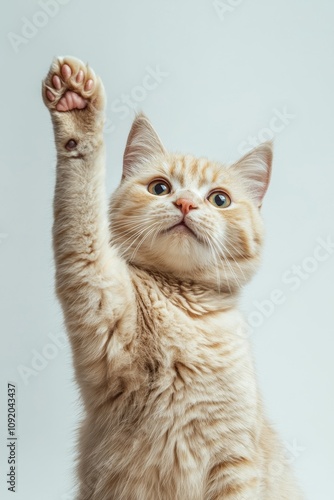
[150, 300]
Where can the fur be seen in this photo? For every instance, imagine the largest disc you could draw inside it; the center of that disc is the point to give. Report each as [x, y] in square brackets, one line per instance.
[160, 350]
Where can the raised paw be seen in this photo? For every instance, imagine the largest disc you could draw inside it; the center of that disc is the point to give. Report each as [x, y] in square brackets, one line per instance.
[72, 85]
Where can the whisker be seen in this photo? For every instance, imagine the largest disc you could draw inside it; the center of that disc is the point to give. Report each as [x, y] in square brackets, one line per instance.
[133, 237]
[142, 241]
[220, 246]
[212, 252]
[241, 270]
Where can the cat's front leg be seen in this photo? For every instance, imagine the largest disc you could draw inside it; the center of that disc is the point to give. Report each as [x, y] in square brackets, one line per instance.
[92, 281]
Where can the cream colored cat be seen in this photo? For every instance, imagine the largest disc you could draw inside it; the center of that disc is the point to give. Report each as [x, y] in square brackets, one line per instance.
[172, 409]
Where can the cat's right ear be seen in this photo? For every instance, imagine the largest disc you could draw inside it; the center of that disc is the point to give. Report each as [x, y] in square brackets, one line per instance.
[143, 146]
[254, 170]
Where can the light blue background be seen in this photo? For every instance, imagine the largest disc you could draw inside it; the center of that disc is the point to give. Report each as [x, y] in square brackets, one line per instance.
[228, 77]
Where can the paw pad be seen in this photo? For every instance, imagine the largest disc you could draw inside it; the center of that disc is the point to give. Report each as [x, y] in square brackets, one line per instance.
[71, 144]
[71, 85]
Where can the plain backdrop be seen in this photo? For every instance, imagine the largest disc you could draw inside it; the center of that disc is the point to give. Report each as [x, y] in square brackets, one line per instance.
[214, 78]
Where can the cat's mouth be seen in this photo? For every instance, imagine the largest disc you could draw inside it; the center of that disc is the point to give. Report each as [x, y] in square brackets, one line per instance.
[182, 227]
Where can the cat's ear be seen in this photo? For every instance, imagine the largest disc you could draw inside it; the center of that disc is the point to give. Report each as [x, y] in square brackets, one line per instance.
[255, 170]
[143, 145]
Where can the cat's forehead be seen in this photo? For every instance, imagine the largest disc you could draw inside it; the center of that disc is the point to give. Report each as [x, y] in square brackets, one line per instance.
[188, 171]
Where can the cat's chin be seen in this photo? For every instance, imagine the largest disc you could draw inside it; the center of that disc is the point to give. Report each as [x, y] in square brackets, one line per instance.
[178, 251]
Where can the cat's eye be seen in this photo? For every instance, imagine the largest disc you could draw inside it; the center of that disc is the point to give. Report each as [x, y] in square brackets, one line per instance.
[158, 187]
[219, 199]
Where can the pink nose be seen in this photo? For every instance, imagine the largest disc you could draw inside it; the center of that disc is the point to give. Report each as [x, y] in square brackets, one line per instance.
[185, 205]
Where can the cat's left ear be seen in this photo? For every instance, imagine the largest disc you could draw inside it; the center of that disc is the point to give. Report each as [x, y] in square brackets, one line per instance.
[143, 146]
[254, 170]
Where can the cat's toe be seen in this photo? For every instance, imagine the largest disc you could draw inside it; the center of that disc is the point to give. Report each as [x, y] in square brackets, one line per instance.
[50, 95]
[66, 72]
[80, 76]
[56, 82]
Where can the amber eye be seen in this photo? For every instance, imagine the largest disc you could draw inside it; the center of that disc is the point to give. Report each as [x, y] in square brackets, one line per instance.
[158, 188]
[219, 199]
